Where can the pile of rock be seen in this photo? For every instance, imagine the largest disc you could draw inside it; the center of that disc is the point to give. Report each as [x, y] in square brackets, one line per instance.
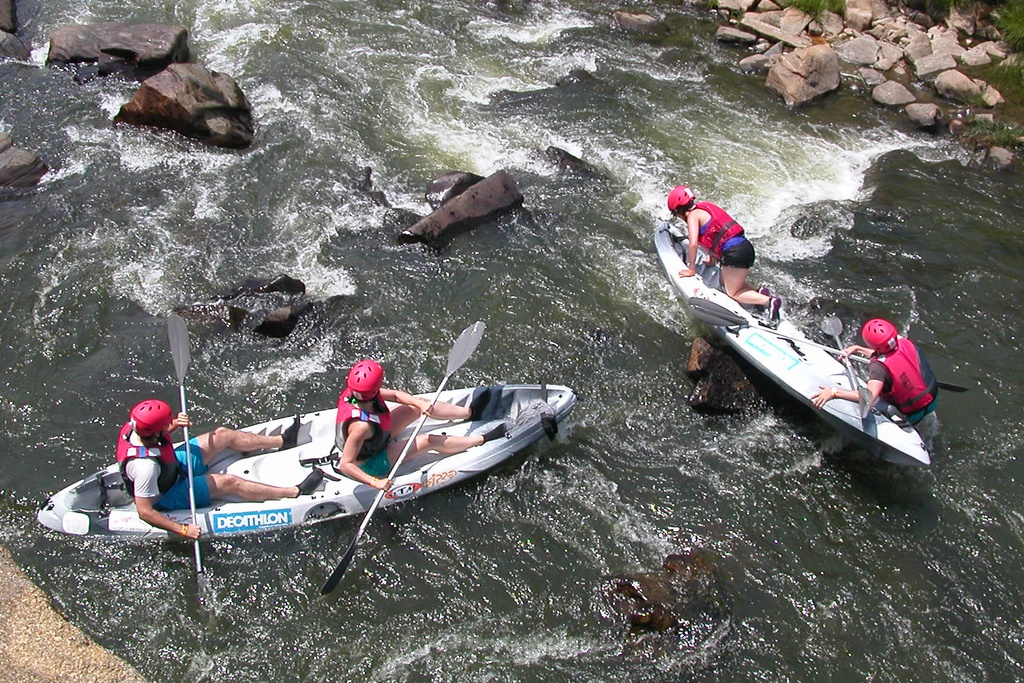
[906, 58]
[903, 56]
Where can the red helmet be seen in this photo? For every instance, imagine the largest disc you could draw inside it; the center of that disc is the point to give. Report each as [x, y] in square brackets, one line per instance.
[366, 377]
[680, 198]
[151, 417]
[879, 334]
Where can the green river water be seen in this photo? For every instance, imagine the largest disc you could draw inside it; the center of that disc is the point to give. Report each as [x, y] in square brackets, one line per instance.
[836, 568]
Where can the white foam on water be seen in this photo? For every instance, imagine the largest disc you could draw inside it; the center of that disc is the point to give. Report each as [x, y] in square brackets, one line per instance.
[538, 29]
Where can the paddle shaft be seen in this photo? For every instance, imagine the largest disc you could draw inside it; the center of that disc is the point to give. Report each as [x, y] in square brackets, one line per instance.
[178, 335]
[719, 316]
[335, 578]
[459, 354]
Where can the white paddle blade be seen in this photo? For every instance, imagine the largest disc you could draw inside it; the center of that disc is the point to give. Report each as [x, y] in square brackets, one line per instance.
[177, 334]
[464, 346]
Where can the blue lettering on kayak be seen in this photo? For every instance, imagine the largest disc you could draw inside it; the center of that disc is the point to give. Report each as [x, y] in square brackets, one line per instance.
[250, 521]
[771, 350]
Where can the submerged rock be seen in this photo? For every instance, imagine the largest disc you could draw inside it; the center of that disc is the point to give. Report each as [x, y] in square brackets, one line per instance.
[684, 607]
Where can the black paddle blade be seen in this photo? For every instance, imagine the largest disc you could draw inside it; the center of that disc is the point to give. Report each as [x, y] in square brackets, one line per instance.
[714, 314]
[335, 578]
[952, 387]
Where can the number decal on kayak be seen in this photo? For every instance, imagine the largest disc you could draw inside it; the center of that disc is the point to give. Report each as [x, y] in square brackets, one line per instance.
[438, 478]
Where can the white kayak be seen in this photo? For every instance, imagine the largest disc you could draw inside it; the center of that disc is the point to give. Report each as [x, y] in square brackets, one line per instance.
[784, 354]
[99, 504]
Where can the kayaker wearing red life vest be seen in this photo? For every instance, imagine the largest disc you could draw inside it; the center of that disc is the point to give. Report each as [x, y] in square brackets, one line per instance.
[369, 414]
[712, 228]
[155, 472]
[898, 372]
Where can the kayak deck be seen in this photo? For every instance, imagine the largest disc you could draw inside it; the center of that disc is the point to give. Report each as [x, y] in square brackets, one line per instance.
[100, 505]
[784, 354]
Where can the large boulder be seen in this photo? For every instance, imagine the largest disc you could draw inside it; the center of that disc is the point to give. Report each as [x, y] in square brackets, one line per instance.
[494, 195]
[194, 101]
[805, 74]
[18, 167]
[721, 386]
[139, 50]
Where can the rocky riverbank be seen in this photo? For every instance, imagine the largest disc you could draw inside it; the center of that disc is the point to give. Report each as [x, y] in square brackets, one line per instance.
[37, 645]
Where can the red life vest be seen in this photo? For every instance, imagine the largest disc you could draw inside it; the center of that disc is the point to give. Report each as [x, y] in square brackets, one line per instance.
[379, 418]
[720, 229]
[163, 454]
[913, 385]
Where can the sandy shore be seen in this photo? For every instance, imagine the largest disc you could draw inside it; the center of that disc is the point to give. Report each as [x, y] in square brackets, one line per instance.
[37, 645]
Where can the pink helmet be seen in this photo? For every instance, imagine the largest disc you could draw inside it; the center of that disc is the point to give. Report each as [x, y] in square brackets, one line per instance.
[366, 377]
[150, 417]
[680, 197]
[879, 334]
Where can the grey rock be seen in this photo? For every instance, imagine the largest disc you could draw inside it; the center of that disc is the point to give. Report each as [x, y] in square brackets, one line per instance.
[13, 47]
[145, 45]
[18, 167]
[728, 34]
[924, 115]
[956, 86]
[494, 195]
[862, 51]
[892, 94]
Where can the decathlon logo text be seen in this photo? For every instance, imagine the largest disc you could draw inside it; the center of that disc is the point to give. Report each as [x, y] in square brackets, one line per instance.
[248, 521]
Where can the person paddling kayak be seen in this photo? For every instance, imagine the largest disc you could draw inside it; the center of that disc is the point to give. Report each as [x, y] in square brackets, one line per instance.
[712, 228]
[898, 372]
[154, 471]
[366, 422]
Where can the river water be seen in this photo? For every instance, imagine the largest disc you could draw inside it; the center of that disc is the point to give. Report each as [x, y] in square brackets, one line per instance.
[835, 567]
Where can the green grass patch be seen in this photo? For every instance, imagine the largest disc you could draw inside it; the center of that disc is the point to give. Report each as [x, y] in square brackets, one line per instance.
[816, 7]
[996, 135]
[1010, 21]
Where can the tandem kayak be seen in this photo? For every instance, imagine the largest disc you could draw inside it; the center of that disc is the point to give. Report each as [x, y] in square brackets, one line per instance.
[785, 355]
[99, 505]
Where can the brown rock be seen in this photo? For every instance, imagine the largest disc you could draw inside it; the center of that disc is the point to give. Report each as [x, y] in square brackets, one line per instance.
[805, 74]
[194, 101]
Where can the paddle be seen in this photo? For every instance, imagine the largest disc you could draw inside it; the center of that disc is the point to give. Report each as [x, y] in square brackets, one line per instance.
[713, 313]
[833, 327]
[459, 354]
[177, 333]
[720, 316]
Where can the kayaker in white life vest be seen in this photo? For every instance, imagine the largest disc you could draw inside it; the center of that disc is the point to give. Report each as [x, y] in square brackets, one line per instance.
[156, 473]
[369, 413]
[709, 226]
[898, 372]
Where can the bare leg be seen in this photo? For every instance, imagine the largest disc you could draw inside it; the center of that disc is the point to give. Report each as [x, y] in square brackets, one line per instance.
[736, 285]
[403, 415]
[222, 485]
[438, 442]
[220, 438]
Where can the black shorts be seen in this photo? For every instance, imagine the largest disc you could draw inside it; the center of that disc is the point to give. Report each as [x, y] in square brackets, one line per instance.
[740, 256]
